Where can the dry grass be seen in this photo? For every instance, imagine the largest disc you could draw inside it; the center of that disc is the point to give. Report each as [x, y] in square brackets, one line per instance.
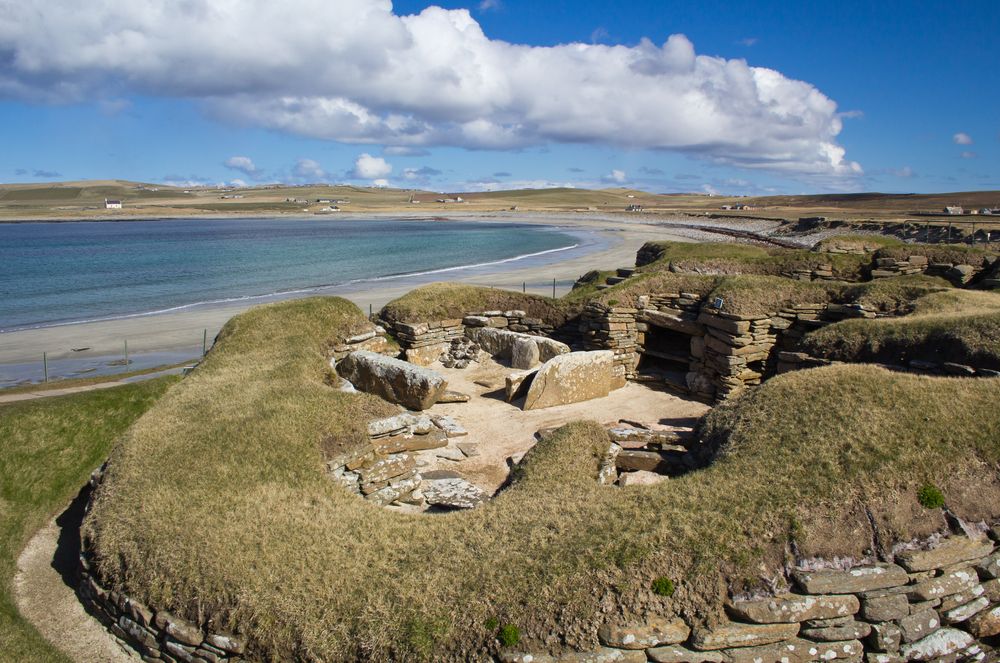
[216, 504]
[958, 326]
[443, 301]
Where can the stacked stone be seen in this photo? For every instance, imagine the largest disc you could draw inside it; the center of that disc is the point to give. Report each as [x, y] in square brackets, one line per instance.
[736, 349]
[638, 452]
[156, 635]
[886, 267]
[612, 328]
[383, 470]
[794, 322]
[822, 272]
[373, 340]
[941, 604]
[514, 320]
[462, 351]
[424, 342]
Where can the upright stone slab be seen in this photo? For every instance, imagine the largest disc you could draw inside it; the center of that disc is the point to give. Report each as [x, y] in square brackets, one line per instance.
[524, 354]
[397, 381]
[571, 378]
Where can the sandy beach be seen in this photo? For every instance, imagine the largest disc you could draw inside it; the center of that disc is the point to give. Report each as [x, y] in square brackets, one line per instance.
[605, 243]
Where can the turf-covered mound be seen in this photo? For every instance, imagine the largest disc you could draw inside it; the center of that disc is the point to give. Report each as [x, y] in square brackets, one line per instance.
[955, 326]
[729, 258]
[216, 506]
[442, 301]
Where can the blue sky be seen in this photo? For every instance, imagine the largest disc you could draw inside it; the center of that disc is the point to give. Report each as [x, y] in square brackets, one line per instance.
[894, 96]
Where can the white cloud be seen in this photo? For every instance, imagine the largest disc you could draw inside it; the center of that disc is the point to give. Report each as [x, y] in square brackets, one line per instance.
[969, 155]
[353, 71]
[617, 176]
[307, 169]
[487, 5]
[404, 151]
[962, 138]
[380, 182]
[238, 183]
[367, 167]
[243, 164]
[747, 41]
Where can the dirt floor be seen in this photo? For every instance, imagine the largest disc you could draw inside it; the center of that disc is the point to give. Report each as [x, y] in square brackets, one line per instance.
[43, 591]
[499, 430]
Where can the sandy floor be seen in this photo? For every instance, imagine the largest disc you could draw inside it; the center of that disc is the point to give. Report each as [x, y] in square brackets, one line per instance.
[501, 430]
[46, 600]
[618, 241]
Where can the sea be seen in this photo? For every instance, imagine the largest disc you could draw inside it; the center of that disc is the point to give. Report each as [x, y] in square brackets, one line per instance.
[69, 273]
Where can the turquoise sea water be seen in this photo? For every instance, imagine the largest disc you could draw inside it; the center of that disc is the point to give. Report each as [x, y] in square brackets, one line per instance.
[60, 273]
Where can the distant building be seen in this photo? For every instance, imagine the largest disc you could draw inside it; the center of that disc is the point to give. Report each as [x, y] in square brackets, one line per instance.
[726, 207]
[324, 200]
[953, 209]
[633, 208]
[112, 204]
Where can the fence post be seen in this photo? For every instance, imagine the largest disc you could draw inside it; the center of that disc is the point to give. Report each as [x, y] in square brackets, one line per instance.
[204, 343]
[125, 369]
[524, 286]
[553, 288]
[45, 365]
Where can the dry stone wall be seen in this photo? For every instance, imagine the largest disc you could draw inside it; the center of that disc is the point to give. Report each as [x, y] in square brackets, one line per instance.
[927, 604]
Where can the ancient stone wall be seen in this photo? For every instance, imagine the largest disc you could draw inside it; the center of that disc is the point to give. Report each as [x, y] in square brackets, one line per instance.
[937, 604]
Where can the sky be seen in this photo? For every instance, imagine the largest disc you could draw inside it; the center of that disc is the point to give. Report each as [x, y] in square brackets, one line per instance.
[739, 98]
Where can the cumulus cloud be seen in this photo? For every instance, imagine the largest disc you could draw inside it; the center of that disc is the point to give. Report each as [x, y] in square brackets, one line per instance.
[367, 167]
[308, 169]
[962, 138]
[354, 71]
[244, 165]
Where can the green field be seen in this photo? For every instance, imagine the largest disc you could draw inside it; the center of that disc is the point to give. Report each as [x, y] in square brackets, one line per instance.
[48, 449]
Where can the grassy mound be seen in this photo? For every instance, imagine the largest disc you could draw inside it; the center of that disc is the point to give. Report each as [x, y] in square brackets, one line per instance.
[958, 326]
[442, 301]
[48, 449]
[727, 258]
[216, 505]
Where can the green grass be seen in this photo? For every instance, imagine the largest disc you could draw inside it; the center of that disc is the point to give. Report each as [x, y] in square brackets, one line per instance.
[47, 451]
[216, 504]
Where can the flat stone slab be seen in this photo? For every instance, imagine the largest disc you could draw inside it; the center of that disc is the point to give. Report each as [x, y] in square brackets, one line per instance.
[857, 579]
[940, 643]
[961, 580]
[797, 651]
[678, 654]
[448, 425]
[454, 493]
[951, 551]
[500, 342]
[517, 384]
[795, 608]
[571, 378]
[643, 636]
[734, 634]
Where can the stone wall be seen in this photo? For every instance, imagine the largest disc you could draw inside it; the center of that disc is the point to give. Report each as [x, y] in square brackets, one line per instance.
[937, 604]
[156, 635]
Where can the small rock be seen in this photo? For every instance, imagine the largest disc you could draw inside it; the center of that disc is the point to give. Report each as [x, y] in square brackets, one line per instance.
[795, 608]
[985, 624]
[641, 478]
[918, 625]
[469, 449]
[951, 551]
[940, 643]
[734, 634]
[643, 636]
[857, 579]
[452, 493]
[450, 427]
[450, 396]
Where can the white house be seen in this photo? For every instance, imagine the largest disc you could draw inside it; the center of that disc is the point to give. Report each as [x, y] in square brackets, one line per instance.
[953, 209]
[112, 204]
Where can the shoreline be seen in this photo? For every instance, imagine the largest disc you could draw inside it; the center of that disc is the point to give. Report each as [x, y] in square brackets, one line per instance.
[604, 242]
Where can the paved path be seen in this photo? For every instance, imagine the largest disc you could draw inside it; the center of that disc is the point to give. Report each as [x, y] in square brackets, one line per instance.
[62, 391]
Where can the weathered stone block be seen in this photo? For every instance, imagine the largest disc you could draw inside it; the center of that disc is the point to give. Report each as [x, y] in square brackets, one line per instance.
[396, 381]
[940, 643]
[885, 637]
[517, 384]
[857, 579]
[951, 551]
[918, 625]
[794, 608]
[524, 354]
[885, 608]
[387, 468]
[961, 580]
[226, 642]
[678, 654]
[734, 634]
[851, 631]
[571, 378]
[965, 611]
[797, 651]
[409, 442]
[643, 636]
[427, 354]
[604, 655]
[181, 630]
[985, 624]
